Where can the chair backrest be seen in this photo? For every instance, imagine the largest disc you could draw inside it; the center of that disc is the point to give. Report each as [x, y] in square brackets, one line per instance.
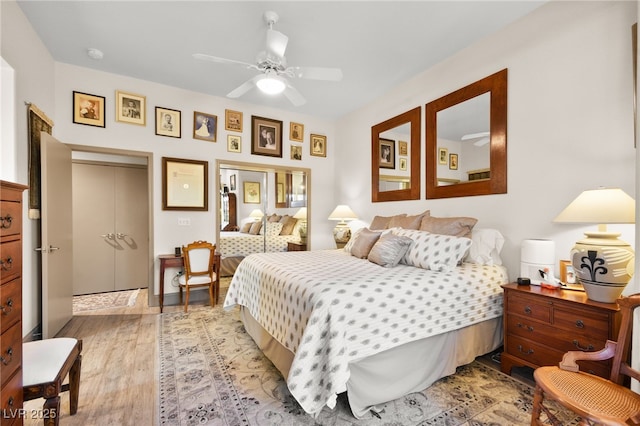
[620, 367]
[199, 258]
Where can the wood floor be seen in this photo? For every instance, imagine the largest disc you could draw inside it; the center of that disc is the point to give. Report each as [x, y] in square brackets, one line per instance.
[119, 376]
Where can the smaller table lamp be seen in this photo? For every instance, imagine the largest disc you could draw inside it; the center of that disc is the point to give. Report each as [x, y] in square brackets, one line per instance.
[256, 215]
[342, 233]
[301, 215]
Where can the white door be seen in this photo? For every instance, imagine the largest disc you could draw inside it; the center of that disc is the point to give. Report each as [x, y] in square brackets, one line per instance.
[56, 235]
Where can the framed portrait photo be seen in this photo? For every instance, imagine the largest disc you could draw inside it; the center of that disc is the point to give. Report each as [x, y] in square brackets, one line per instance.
[131, 108]
[251, 192]
[387, 149]
[318, 145]
[234, 143]
[443, 155]
[266, 136]
[205, 126]
[296, 132]
[453, 161]
[232, 182]
[403, 163]
[168, 122]
[184, 184]
[88, 109]
[403, 148]
[232, 120]
[296, 152]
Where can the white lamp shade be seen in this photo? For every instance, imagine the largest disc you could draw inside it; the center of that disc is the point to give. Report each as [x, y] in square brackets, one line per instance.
[342, 213]
[301, 214]
[606, 205]
[257, 213]
[271, 83]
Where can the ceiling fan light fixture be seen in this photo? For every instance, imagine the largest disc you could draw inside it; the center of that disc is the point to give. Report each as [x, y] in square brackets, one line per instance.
[271, 84]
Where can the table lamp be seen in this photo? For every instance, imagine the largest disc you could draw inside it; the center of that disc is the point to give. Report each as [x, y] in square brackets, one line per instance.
[301, 215]
[342, 233]
[603, 263]
[256, 215]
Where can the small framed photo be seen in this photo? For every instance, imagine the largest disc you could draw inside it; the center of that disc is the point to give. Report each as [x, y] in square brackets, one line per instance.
[567, 274]
[403, 148]
[234, 143]
[443, 155]
[205, 126]
[318, 145]
[232, 182]
[184, 184]
[232, 120]
[296, 152]
[403, 163]
[387, 153]
[168, 122]
[453, 161]
[88, 109]
[131, 108]
[266, 136]
[296, 132]
[251, 192]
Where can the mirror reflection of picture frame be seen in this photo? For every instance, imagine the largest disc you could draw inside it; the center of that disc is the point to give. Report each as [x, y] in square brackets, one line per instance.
[453, 161]
[251, 191]
[232, 182]
[184, 184]
[131, 108]
[403, 148]
[387, 153]
[403, 164]
[443, 155]
[234, 143]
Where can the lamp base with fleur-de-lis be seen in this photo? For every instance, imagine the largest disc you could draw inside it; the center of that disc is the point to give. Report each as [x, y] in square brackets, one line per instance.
[603, 264]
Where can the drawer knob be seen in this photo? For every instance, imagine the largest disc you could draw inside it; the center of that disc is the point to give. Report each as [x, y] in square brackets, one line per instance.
[582, 348]
[6, 264]
[8, 307]
[527, 310]
[527, 327]
[527, 352]
[7, 360]
[5, 221]
[10, 401]
[579, 324]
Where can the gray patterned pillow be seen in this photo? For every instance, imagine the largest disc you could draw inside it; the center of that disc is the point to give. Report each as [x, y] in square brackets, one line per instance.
[389, 249]
[362, 245]
[273, 229]
[433, 251]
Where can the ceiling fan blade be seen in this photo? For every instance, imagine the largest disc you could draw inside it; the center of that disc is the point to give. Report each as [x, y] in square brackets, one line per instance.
[474, 136]
[244, 87]
[203, 57]
[482, 142]
[276, 43]
[294, 96]
[317, 73]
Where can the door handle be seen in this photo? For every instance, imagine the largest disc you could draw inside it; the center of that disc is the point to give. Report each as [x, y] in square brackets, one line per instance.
[121, 236]
[52, 248]
[42, 249]
[108, 236]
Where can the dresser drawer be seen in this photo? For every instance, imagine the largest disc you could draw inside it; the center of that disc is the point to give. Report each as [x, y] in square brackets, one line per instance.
[532, 351]
[10, 303]
[10, 218]
[11, 399]
[10, 260]
[533, 307]
[10, 352]
[586, 322]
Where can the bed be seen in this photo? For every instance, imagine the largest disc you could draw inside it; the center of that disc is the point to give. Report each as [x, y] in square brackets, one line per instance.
[332, 321]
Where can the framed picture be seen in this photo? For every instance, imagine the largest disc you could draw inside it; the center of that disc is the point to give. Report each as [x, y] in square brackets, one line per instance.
[234, 143]
[567, 274]
[131, 108]
[296, 152]
[443, 155]
[403, 164]
[205, 126]
[296, 132]
[266, 136]
[403, 148]
[318, 145]
[251, 192]
[232, 182]
[184, 184]
[453, 161]
[168, 122]
[88, 109]
[387, 149]
[232, 120]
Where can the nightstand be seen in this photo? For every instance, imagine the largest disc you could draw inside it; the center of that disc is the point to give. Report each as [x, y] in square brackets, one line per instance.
[296, 246]
[541, 324]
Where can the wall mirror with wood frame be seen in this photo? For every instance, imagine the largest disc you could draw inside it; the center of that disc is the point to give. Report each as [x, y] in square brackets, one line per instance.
[466, 140]
[395, 158]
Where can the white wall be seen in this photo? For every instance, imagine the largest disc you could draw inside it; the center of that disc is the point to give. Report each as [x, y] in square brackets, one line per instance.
[570, 124]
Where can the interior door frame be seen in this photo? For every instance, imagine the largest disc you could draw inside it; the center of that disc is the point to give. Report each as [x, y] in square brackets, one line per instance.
[152, 301]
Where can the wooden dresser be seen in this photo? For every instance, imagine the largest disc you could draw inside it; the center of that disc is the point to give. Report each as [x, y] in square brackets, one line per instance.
[540, 325]
[11, 302]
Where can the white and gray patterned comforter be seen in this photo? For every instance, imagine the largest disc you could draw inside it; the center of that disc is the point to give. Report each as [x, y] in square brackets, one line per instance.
[241, 244]
[330, 308]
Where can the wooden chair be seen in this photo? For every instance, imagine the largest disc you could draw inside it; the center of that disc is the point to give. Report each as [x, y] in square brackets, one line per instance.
[199, 270]
[46, 363]
[594, 399]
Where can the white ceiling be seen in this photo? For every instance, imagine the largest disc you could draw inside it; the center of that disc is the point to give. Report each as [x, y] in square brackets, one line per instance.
[377, 44]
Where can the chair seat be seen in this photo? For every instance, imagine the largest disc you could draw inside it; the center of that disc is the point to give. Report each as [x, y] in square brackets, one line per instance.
[197, 280]
[40, 369]
[584, 392]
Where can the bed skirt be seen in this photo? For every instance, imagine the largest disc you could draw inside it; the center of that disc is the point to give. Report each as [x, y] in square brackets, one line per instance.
[398, 371]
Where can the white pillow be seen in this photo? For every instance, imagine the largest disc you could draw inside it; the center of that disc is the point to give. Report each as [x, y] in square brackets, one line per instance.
[486, 246]
[433, 251]
[273, 229]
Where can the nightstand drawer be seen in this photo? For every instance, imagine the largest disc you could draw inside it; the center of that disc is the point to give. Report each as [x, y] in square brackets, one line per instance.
[10, 352]
[10, 303]
[10, 260]
[532, 307]
[532, 351]
[587, 322]
[11, 399]
[11, 214]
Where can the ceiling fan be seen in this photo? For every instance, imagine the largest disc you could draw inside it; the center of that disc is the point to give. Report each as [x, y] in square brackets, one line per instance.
[482, 138]
[273, 68]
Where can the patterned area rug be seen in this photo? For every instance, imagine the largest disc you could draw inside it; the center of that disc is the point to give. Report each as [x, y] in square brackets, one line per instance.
[212, 373]
[114, 299]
